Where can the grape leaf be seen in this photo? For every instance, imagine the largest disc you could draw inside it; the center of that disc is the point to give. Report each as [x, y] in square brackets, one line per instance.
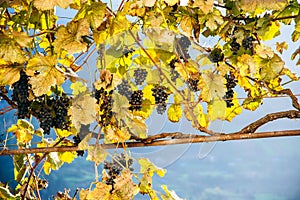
[206, 6]
[23, 131]
[125, 188]
[120, 105]
[270, 68]
[83, 110]
[50, 4]
[252, 103]
[52, 162]
[137, 126]
[213, 86]
[149, 3]
[62, 133]
[145, 186]
[20, 169]
[216, 110]
[114, 135]
[94, 12]
[84, 144]
[9, 75]
[48, 74]
[234, 110]
[186, 25]
[171, 2]
[174, 112]
[149, 167]
[101, 191]
[67, 156]
[69, 37]
[78, 87]
[96, 154]
[281, 46]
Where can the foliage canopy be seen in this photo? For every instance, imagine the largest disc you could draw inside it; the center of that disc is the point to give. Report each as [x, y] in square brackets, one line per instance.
[151, 58]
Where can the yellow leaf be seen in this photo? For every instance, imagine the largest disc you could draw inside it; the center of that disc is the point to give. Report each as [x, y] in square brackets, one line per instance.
[9, 75]
[50, 4]
[23, 131]
[246, 65]
[272, 31]
[264, 52]
[216, 110]
[213, 86]
[10, 51]
[234, 110]
[101, 191]
[138, 127]
[114, 135]
[174, 113]
[78, 87]
[21, 38]
[171, 2]
[186, 25]
[83, 110]
[96, 154]
[145, 186]
[170, 195]
[69, 38]
[94, 12]
[63, 133]
[252, 103]
[125, 188]
[47, 167]
[67, 156]
[205, 5]
[271, 68]
[120, 105]
[290, 74]
[149, 167]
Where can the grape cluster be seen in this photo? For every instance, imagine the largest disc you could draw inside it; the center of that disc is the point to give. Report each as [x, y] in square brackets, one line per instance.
[125, 89]
[193, 84]
[174, 74]
[216, 55]
[230, 84]
[77, 140]
[105, 101]
[140, 76]
[20, 95]
[136, 100]
[115, 167]
[182, 47]
[235, 46]
[247, 42]
[160, 94]
[52, 111]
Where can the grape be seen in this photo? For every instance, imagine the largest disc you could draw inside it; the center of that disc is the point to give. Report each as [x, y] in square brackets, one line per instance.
[182, 46]
[20, 95]
[60, 107]
[161, 96]
[193, 84]
[173, 73]
[230, 84]
[140, 76]
[127, 51]
[136, 100]
[105, 101]
[115, 167]
[247, 42]
[125, 89]
[45, 118]
[216, 55]
[234, 46]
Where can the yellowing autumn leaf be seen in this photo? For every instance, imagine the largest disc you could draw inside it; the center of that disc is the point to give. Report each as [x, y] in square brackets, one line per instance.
[171, 2]
[48, 74]
[252, 103]
[281, 46]
[186, 25]
[83, 110]
[94, 12]
[23, 131]
[125, 188]
[52, 163]
[264, 52]
[271, 68]
[138, 127]
[96, 154]
[69, 37]
[67, 156]
[174, 112]
[234, 110]
[120, 105]
[114, 135]
[216, 110]
[145, 186]
[10, 51]
[9, 75]
[149, 3]
[63, 133]
[101, 191]
[205, 5]
[246, 65]
[149, 167]
[170, 195]
[84, 144]
[78, 87]
[50, 4]
[212, 85]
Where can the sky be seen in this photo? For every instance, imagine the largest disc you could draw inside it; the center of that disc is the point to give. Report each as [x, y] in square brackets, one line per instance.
[264, 169]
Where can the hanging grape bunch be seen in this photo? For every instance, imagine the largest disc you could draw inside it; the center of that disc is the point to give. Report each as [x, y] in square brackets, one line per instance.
[248, 42]
[20, 95]
[52, 111]
[136, 100]
[182, 47]
[140, 76]
[173, 73]
[124, 89]
[105, 101]
[230, 84]
[235, 46]
[160, 94]
[115, 167]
